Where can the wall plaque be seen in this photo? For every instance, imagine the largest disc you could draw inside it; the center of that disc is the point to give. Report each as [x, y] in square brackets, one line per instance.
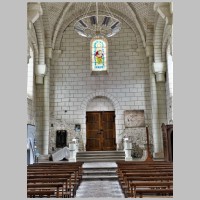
[134, 118]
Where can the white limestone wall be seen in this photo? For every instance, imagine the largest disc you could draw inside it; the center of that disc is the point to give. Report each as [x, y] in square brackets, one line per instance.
[126, 85]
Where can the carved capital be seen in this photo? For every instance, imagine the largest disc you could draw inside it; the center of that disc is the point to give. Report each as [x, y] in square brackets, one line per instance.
[34, 11]
[40, 71]
[159, 70]
[165, 11]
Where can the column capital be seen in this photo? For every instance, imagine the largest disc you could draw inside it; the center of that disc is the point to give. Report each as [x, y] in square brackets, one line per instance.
[165, 10]
[40, 71]
[159, 69]
[34, 10]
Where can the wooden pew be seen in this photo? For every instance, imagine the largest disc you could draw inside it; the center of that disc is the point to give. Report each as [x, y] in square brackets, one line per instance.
[40, 193]
[69, 185]
[132, 172]
[46, 186]
[144, 187]
[73, 182]
[41, 170]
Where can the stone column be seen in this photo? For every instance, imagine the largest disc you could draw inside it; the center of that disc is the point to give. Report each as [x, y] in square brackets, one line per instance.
[48, 56]
[156, 129]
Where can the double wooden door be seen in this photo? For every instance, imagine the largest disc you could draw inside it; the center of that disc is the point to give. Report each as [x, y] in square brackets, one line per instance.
[100, 128]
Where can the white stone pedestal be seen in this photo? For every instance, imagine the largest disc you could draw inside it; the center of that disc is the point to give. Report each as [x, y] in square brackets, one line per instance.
[128, 156]
[76, 141]
[127, 149]
[72, 149]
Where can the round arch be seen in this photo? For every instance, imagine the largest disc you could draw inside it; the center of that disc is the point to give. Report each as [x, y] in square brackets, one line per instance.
[116, 106]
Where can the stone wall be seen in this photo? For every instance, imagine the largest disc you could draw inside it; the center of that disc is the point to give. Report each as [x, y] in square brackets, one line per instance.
[126, 85]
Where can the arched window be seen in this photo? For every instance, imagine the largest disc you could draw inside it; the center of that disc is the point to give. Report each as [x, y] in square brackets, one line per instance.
[99, 54]
[30, 76]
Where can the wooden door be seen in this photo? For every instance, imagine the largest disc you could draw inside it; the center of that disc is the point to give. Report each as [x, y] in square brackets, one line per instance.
[100, 128]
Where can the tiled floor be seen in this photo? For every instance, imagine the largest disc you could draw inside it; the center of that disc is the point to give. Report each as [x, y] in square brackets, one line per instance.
[99, 188]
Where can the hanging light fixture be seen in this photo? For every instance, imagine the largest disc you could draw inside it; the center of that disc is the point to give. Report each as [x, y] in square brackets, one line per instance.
[93, 25]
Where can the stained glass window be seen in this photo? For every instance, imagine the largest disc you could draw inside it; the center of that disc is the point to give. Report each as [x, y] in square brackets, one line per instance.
[99, 55]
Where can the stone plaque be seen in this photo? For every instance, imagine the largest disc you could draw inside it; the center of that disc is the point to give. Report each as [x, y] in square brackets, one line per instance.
[134, 118]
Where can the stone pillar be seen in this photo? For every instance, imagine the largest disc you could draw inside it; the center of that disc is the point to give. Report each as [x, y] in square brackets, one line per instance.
[156, 129]
[46, 114]
[159, 69]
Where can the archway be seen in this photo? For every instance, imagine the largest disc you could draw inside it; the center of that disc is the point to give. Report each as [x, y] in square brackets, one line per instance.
[103, 102]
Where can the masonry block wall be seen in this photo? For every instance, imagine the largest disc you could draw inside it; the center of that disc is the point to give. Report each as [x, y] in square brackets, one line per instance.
[126, 85]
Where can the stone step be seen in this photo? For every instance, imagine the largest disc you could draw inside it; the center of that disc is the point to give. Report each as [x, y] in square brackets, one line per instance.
[100, 156]
[96, 169]
[99, 178]
[99, 160]
[99, 169]
[100, 173]
[81, 154]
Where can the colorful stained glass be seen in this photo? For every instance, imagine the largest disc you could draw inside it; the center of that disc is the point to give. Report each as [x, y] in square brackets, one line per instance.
[99, 54]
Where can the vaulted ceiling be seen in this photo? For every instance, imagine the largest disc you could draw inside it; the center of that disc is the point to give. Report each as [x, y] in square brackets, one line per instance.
[144, 18]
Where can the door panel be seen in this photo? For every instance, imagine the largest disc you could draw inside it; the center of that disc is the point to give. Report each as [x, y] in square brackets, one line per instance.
[100, 128]
[93, 138]
[108, 126]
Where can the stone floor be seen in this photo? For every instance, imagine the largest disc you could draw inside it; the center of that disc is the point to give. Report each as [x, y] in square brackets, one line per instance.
[99, 188]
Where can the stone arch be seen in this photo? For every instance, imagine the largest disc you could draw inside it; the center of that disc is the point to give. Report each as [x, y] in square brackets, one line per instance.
[166, 38]
[46, 25]
[158, 38]
[101, 93]
[100, 103]
[39, 30]
[32, 42]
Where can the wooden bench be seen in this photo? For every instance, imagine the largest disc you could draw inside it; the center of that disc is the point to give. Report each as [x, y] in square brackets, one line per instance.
[160, 173]
[58, 170]
[40, 193]
[144, 186]
[45, 186]
[125, 185]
